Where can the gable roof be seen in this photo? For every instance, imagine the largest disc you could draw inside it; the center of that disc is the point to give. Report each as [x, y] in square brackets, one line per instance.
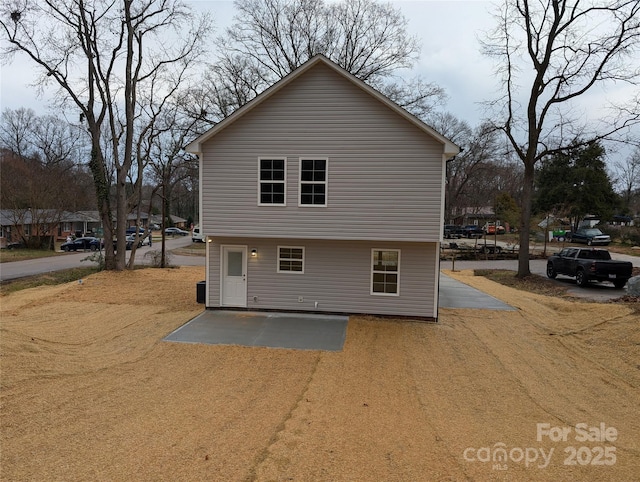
[195, 146]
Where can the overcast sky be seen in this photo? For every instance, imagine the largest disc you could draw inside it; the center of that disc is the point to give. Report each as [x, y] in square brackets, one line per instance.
[450, 56]
[448, 30]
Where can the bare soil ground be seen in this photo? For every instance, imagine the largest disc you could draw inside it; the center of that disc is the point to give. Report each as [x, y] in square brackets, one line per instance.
[90, 392]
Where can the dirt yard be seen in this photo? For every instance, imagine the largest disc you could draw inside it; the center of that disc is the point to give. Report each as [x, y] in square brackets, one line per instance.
[91, 392]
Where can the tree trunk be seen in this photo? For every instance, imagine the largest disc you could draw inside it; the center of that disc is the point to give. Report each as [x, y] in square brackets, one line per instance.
[121, 221]
[163, 227]
[96, 164]
[525, 218]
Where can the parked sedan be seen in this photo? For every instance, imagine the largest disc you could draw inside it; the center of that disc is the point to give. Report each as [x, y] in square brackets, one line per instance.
[134, 230]
[142, 241]
[82, 244]
[174, 231]
[590, 236]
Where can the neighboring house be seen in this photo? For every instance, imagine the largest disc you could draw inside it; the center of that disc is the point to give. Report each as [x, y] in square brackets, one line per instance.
[478, 216]
[322, 195]
[176, 221]
[78, 223]
[19, 224]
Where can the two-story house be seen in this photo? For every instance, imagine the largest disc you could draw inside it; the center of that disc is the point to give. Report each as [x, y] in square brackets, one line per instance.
[322, 195]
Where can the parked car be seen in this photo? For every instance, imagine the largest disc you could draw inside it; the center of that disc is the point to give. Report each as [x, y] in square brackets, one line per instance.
[197, 236]
[589, 236]
[83, 244]
[589, 264]
[142, 241]
[176, 231]
[472, 231]
[452, 231]
[16, 245]
[134, 230]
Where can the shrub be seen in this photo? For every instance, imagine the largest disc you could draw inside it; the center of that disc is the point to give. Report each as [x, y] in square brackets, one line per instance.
[156, 258]
[95, 257]
[629, 235]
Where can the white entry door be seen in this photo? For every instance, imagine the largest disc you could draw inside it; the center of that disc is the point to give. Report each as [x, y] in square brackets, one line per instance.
[234, 276]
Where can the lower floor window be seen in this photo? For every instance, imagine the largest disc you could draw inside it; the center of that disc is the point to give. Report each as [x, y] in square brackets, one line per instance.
[290, 259]
[385, 272]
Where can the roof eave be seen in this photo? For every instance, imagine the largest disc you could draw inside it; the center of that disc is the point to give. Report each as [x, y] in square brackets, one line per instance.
[195, 147]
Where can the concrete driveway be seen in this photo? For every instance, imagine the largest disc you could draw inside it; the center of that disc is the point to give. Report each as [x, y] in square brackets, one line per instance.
[594, 291]
[454, 294]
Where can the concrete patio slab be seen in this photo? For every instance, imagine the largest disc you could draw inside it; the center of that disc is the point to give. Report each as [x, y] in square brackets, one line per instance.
[304, 331]
[267, 329]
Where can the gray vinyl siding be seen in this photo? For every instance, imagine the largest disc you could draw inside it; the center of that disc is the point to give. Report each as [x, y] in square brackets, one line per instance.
[385, 174]
[337, 274]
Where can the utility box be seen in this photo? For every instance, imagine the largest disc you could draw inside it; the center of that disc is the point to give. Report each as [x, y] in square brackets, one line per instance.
[201, 290]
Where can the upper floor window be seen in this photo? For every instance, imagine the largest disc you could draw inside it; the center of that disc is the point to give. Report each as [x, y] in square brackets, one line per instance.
[313, 182]
[272, 181]
[385, 272]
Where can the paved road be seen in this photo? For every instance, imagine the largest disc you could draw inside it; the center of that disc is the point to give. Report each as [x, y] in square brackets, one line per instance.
[596, 291]
[20, 269]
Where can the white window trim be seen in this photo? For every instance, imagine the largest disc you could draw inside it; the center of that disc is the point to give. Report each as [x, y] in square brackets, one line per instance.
[325, 182]
[373, 293]
[272, 158]
[288, 271]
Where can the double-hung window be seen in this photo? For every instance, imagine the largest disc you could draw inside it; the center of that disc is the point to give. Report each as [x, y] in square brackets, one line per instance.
[313, 182]
[290, 259]
[272, 182]
[385, 272]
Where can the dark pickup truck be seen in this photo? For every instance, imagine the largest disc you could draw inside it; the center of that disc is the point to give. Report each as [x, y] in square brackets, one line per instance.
[589, 264]
[472, 231]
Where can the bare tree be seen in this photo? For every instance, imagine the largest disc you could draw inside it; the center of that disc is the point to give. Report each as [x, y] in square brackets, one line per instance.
[628, 177]
[16, 132]
[481, 170]
[41, 174]
[549, 53]
[271, 38]
[102, 54]
[37, 194]
[49, 139]
[162, 151]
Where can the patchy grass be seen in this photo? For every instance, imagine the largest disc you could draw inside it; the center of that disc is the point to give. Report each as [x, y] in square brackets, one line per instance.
[532, 283]
[48, 279]
[8, 255]
[624, 249]
[194, 249]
